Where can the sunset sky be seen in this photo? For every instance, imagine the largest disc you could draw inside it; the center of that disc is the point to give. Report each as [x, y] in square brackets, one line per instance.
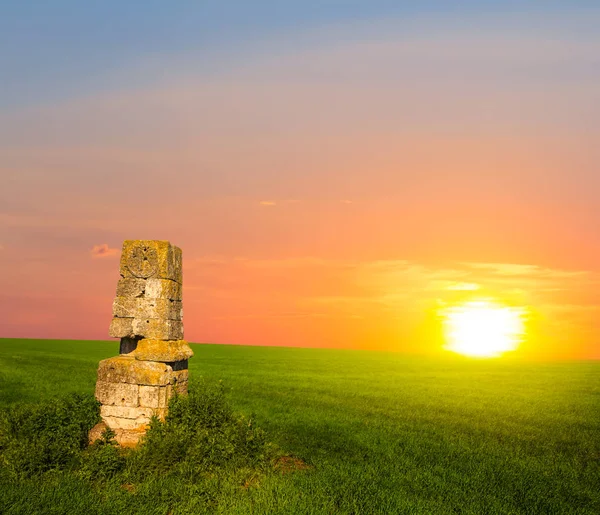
[334, 171]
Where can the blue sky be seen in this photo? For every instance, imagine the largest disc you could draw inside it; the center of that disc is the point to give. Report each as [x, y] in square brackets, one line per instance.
[55, 50]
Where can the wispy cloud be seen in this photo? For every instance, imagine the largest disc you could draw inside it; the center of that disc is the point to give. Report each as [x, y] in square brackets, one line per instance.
[393, 282]
[463, 287]
[278, 202]
[517, 270]
[268, 315]
[103, 251]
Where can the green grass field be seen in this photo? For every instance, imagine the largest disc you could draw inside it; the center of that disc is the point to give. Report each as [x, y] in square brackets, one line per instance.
[381, 432]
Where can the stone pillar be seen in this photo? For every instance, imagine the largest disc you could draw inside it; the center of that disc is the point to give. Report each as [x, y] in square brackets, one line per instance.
[153, 360]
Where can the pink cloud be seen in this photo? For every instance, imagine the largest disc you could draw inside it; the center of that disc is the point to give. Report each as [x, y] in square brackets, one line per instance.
[103, 250]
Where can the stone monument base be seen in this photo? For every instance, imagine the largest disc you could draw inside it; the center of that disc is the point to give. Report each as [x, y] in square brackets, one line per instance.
[132, 391]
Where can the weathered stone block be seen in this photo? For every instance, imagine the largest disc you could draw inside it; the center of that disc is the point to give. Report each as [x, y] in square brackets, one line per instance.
[151, 258]
[150, 396]
[117, 394]
[125, 369]
[129, 419]
[176, 310]
[155, 396]
[124, 307]
[156, 328]
[132, 307]
[162, 289]
[133, 413]
[125, 423]
[121, 328]
[131, 287]
[152, 328]
[177, 264]
[175, 330]
[158, 308]
[161, 350]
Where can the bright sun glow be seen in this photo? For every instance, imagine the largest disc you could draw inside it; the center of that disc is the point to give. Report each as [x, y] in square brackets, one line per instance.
[482, 328]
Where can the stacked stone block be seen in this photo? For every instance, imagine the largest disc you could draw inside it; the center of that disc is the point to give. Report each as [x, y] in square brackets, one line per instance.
[153, 360]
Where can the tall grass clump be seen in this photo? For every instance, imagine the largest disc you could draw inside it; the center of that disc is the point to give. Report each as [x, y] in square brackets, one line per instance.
[201, 436]
[202, 446]
[47, 436]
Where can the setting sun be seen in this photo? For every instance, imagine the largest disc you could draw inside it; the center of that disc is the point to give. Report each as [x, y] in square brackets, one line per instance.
[482, 328]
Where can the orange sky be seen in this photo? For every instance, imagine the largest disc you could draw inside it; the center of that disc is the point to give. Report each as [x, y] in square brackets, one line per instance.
[328, 190]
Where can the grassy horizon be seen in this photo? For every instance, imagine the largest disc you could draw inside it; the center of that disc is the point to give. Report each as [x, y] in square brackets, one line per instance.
[381, 432]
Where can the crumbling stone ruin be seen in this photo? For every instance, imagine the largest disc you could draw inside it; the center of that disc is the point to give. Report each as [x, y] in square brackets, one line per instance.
[153, 360]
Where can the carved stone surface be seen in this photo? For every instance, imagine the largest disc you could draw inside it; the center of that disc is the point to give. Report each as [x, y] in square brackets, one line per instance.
[142, 260]
[151, 258]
